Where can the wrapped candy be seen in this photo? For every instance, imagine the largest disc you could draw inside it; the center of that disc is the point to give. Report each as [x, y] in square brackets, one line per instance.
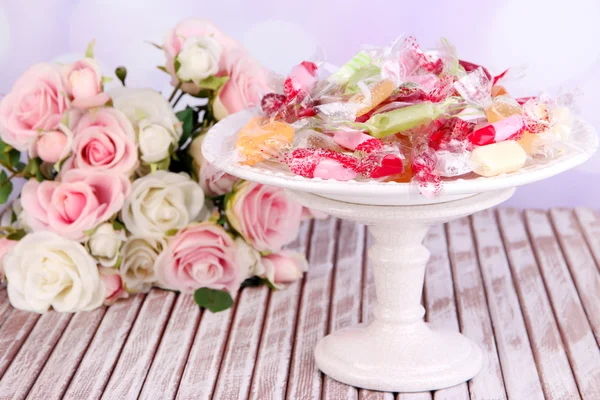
[507, 128]
[403, 119]
[258, 142]
[498, 158]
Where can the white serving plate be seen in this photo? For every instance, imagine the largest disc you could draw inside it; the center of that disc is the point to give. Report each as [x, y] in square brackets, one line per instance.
[218, 149]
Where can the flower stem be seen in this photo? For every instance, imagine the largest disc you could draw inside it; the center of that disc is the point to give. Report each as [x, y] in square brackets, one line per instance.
[178, 98]
[175, 90]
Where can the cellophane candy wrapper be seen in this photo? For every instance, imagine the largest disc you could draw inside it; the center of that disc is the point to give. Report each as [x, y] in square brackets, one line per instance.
[398, 113]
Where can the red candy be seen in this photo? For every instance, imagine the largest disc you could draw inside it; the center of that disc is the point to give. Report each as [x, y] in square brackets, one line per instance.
[271, 103]
[377, 165]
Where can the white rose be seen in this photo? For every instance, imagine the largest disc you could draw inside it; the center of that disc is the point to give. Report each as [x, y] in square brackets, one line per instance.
[139, 257]
[247, 259]
[154, 119]
[155, 142]
[105, 243]
[161, 202]
[45, 270]
[199, 59]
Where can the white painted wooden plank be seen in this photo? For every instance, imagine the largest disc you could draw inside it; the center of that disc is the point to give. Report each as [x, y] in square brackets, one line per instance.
[581, 264]
[200, 373]
[473, 311]
[128, 377]
[369, 299]
[414, 396]
[13, 334]
[66, 356]
[551, 360]
[518, 365]
[269, 381]
[235, 373]
[167, 367]
[439, 299]
[102, 354]
[345, 305]
[305, 381]
[5, 307]
[590, 224]
[576, 332]
[32, 356]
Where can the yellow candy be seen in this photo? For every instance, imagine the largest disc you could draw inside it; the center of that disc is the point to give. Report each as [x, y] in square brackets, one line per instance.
[257, 142]
[502, 107]
[379, 92]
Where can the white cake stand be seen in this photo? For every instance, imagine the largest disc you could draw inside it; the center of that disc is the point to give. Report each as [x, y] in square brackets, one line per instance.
[397, 351]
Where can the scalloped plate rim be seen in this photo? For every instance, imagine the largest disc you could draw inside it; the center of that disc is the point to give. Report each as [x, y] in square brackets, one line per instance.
[212, 149]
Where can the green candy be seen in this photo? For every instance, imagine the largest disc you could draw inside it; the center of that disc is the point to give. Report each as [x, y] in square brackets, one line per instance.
[402, 119]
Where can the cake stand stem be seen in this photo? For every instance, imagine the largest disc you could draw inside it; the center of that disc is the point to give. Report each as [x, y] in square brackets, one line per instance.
[397, 351]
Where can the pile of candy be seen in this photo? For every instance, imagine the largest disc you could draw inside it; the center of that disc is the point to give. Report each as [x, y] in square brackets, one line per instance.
[400, 114]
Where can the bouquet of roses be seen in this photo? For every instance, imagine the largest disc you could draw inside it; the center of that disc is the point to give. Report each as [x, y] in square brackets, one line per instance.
[118, 198]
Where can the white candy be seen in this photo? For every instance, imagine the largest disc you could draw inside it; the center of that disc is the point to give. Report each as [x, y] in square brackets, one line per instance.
[498, 158]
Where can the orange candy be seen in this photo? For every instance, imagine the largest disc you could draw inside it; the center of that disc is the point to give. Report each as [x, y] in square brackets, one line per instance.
[257, 142]
[379, 92]
[498, 90]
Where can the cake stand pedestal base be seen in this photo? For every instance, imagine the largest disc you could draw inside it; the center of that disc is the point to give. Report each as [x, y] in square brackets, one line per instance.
[397, 351]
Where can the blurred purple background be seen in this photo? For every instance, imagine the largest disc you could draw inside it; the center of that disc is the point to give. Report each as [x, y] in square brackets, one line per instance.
[558, 41]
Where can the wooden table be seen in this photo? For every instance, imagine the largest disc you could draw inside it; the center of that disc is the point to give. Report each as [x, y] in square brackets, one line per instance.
[524, 286]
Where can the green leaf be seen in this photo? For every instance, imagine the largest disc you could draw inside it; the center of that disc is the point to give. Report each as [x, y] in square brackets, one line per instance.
[89, 52]
[6, 187]
[187, 118]
[118, 225]
[18, 235]
[33, 169]
[252, 282]
[162, 68]
[213, 300]
[177, 65]
[213, 82]
[14, 157]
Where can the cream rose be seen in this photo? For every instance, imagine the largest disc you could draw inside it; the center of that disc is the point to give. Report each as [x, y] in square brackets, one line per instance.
[162, 202]
[105, 243]
[198, 59]
[45, 270]
[139, 256]
[155, 142]
[247, 259]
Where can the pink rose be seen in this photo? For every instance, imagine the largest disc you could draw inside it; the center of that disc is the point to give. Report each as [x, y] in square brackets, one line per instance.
[283, 267]
[264, 216]
[113, 286]
[195, 28]
[104, 139]
[201, 255]
[51, 146]
[5, 246]
[248, 82]
[84, 81]
[36, 103]
[83, 200]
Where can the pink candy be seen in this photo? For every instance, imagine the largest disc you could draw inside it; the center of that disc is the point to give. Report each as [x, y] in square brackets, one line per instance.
[498, 131]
